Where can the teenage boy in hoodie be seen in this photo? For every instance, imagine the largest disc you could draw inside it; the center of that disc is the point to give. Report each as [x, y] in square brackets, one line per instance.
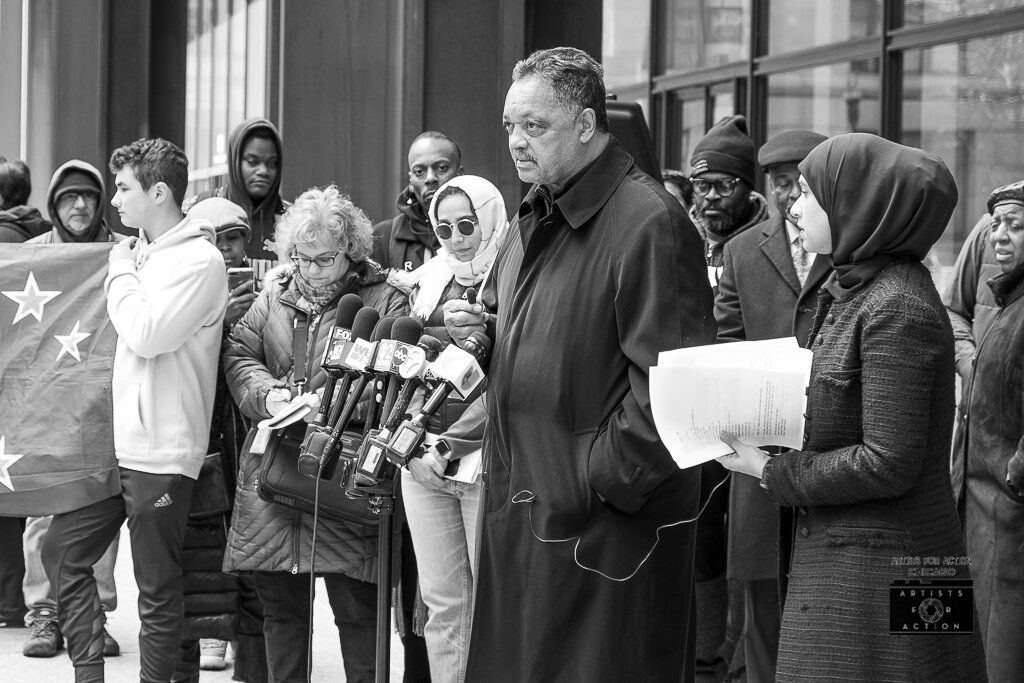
[166, 296]
[73, 201]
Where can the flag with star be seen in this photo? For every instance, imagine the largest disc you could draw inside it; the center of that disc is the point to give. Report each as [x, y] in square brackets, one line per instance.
[56, 358]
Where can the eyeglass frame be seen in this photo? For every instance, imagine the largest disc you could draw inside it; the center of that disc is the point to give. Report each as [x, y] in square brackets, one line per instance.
[88, 196]
[442, 228]
[298, 260]
[726, 191]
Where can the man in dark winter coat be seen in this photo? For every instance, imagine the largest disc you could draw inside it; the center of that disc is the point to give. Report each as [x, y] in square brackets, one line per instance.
[254, 183]
[768, 290]
[584, 551]
[403, 243]
[722, 170]
[18, 221]
[73, 201]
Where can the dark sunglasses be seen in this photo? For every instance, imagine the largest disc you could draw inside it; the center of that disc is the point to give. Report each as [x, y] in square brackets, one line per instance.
[723, 187]
[465, 225]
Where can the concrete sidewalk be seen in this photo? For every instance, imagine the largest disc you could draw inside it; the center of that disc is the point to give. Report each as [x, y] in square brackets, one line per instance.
[123, 625]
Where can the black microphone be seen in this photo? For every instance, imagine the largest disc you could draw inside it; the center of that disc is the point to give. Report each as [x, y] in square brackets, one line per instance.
[348, 308]
[405, 333]
[362, 329]
[317, 447]
[459, 372]
[471, 295]
[383, 352]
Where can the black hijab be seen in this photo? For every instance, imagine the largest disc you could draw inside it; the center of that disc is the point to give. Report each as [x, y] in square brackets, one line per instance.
[884, 201]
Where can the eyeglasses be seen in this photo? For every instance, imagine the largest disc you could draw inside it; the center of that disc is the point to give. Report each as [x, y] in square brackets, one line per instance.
[71, 198]
[723, 187]
[321, 261]
[465, 225]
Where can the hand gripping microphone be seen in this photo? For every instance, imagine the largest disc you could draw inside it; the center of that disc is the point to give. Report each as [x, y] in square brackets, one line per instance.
[341, 333]
[317, 447]
[458, 371]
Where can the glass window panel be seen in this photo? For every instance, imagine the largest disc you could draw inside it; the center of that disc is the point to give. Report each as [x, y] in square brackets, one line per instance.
[256, 69]
[723, 102]
[236, 70]
[625, 42]
[221, 61]
[833, 99]
[702, 33]
[963, 101]
[802, 24]
[685, 127]
[917, 12]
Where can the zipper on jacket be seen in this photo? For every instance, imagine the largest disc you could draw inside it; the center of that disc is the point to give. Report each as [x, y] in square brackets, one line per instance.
[296, 530]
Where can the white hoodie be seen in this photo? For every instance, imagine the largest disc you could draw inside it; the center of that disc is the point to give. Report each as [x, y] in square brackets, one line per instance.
[168, 308]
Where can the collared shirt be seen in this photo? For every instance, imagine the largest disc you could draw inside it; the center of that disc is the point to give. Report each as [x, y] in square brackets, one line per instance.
[802, 259]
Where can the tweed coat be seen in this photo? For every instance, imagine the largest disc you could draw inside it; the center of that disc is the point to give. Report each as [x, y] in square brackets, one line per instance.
[760, 297]
[872, 484]
[994, 514]
[267, 536]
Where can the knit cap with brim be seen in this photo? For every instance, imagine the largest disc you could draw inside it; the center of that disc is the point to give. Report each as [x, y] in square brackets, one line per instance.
[726, 148]
[1012, 193]
[223, 214]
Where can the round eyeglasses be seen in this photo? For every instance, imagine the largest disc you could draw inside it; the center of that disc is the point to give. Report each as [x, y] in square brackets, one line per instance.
[465, 225]
[723, 187]
[321, 261]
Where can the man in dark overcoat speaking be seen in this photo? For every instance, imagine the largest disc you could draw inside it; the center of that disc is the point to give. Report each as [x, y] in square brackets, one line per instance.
[586, 556]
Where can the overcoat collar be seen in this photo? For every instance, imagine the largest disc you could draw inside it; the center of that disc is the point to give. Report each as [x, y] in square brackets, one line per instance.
[776, 250]
[592, 190]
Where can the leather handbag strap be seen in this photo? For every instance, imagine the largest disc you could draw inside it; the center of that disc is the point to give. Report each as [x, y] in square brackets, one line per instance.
[300, 328]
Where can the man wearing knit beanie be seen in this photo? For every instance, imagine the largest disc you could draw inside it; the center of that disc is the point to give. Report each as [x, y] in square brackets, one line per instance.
[73, 202]
[722, 170]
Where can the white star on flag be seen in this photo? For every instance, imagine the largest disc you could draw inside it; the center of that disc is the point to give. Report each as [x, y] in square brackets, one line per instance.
[69, 342]
[30, 300]
[6, 460]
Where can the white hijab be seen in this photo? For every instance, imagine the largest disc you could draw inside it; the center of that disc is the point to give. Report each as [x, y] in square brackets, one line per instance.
[433, 277]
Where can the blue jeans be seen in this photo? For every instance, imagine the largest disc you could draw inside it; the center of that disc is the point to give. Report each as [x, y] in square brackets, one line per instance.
[285, 599]
[444, 531]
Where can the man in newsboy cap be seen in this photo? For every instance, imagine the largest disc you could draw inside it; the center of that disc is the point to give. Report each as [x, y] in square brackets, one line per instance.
[768, 288]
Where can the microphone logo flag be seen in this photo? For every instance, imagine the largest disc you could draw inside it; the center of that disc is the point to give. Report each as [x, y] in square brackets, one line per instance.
[56, 357]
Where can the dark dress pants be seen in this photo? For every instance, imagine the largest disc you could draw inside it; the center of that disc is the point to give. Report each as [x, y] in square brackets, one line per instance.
[156, 507]
[285, 599]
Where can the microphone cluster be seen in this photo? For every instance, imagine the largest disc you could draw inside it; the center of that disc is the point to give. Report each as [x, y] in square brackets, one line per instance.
[395, 358]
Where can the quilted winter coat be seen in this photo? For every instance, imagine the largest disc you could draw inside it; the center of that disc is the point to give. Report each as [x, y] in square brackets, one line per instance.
[268, 536]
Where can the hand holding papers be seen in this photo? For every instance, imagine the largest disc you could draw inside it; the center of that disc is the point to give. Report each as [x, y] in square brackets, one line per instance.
[755, 390]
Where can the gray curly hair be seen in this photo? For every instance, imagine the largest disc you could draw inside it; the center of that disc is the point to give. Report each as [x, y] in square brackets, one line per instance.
[325, 218]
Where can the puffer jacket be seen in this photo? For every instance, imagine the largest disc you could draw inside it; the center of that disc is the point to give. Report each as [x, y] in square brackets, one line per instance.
[267, 536]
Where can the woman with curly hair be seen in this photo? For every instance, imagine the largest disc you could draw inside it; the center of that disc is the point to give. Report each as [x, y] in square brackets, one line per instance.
[328, 239]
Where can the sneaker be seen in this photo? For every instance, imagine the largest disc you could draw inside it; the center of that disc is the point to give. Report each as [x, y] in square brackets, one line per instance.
[211, 654]
[110, 646]
[45, 640]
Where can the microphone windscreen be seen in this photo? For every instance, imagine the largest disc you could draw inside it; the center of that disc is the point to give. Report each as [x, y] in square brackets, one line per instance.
[471, 295]
[480, 346]
[366, 319]
[432, 345]
[407, 330]
[348, 307]
[383, 328]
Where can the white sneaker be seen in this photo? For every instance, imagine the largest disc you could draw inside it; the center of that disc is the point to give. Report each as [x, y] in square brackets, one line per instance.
[211, 654]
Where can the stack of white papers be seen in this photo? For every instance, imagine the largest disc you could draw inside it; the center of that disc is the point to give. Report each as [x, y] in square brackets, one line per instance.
[756, 390]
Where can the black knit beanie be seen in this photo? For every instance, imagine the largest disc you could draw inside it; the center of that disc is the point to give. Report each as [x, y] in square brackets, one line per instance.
[726, 148]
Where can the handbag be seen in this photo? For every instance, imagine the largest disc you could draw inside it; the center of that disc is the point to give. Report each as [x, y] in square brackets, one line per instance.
[211, 496]
[280, 480]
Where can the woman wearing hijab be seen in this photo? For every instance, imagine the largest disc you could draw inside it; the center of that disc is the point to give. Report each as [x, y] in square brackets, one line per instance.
[871, 486]
[468, 216]
[994, 439]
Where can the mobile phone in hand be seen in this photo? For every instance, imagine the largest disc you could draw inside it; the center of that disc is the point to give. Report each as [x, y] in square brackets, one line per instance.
[238, 276]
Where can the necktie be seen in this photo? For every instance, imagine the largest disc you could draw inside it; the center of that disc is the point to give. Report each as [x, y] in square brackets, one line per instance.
[800, 261]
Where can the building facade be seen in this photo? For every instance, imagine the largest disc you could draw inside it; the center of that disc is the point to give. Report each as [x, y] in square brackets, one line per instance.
[349, 83]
